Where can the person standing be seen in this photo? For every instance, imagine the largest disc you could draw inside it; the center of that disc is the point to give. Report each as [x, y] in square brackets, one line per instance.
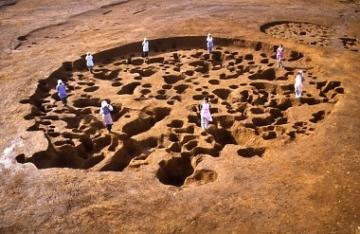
[209, 43]
[105, 112]
[89, 61]
[280, 55]
[205, 113]
[299, 84]
[61, 90]
[145, 48]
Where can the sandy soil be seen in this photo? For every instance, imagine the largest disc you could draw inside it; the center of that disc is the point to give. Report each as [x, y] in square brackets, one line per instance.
[269, 162]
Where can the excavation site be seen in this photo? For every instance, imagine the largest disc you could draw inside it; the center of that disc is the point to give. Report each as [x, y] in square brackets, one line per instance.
[156, 105]
[269, 161]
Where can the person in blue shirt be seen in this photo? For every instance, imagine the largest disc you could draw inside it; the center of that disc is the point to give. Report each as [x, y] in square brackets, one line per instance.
[105, 112]
[61, 90]
[209, 43]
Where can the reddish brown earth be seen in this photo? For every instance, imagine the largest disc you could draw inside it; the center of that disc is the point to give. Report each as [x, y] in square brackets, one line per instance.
[269, 163]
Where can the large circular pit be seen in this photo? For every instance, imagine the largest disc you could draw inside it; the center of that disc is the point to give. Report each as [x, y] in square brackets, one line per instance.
[156, 106]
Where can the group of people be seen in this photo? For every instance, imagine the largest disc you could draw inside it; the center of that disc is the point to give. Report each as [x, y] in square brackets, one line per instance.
[299, 78]
[205, 114]
[146, 47]
[105, 109]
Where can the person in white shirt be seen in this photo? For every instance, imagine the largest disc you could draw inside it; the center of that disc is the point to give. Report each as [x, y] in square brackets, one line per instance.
[89, 61]
[145, 48]
[299, 84]
[205, 113]
[209, 43]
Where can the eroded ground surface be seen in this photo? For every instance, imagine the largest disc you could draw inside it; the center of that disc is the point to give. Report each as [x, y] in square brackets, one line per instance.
[269, 163]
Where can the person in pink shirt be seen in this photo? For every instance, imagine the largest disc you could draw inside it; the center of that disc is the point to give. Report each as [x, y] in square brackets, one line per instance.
[280, 55]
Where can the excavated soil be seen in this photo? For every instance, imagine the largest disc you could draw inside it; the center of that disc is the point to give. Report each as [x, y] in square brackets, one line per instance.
[268, 163]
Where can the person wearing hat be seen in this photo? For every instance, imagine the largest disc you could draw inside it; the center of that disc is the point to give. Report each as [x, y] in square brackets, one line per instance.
[299, 84]
[105, 112]
[145, 48]
[89, 61]
[61, 90]
[209, 43]
[205, 114]
[280, 55]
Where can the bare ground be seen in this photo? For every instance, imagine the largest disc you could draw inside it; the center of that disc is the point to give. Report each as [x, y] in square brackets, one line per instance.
[269, 163]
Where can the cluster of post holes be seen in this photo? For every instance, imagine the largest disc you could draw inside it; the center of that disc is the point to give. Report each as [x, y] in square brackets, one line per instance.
[309, 33]
[250, 77]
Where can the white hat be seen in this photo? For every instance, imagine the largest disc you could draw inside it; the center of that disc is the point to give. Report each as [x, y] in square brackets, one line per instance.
[60, 82]
[209, 35]
[103, 104]
[145, 39]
